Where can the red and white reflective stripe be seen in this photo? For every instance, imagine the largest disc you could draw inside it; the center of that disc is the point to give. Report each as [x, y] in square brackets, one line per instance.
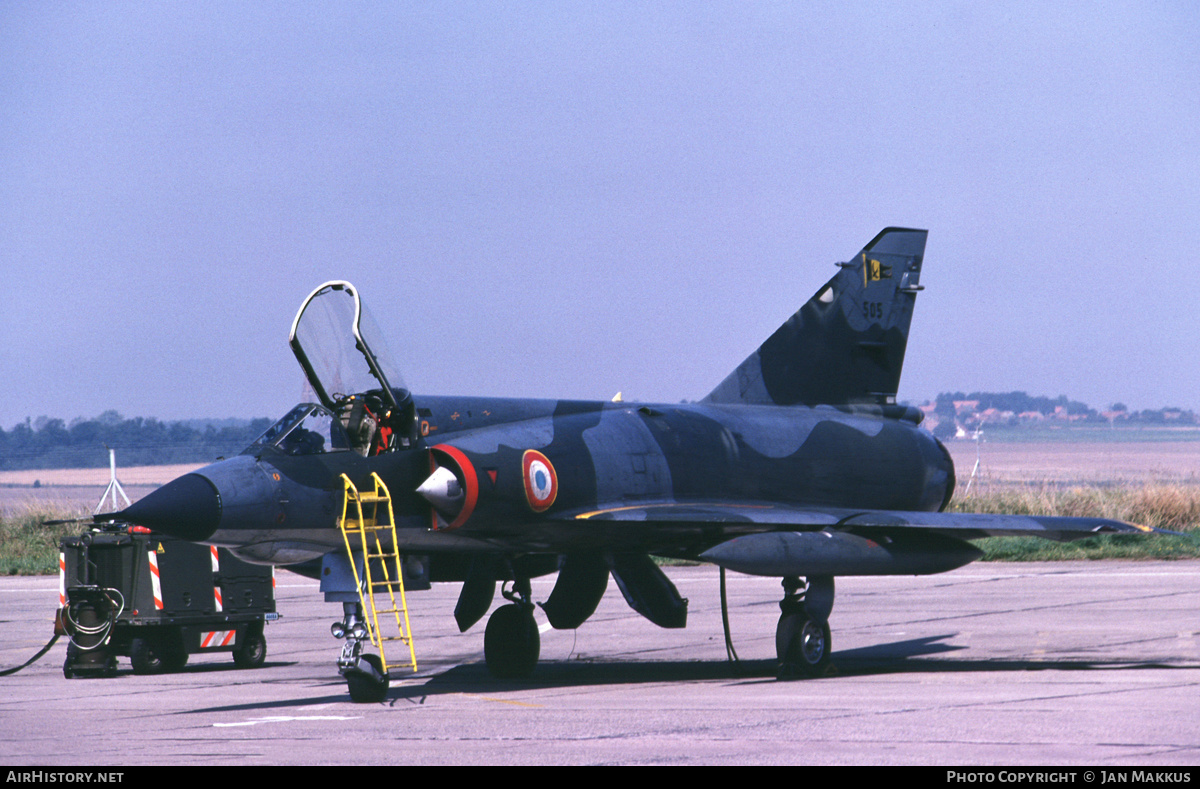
[62, 578]
[217, 638]
[216, 568]
[154, 581]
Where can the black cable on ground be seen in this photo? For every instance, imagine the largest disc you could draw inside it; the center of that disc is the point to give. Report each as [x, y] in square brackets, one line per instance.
[31, 660]
[730, 652]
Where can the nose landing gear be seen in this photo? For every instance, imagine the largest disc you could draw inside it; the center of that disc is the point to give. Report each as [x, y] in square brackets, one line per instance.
[365, 676]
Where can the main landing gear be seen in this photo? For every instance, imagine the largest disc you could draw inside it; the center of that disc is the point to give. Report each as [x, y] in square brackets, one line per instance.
[802, 640]
[511, 643]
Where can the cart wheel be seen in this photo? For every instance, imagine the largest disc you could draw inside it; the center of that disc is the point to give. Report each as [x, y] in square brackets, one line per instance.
[252, 653]
[171, 649]
[173, 658]
[69, 663]
[91, 663]
[145, 657]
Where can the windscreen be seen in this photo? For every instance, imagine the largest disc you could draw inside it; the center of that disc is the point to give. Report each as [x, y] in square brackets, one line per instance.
[308, 429]
[340, 346]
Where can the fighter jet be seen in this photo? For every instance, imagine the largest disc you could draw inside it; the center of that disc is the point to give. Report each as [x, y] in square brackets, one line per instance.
[799, 465]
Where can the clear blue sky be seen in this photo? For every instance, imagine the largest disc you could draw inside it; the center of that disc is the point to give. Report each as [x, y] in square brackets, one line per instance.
[567, 199]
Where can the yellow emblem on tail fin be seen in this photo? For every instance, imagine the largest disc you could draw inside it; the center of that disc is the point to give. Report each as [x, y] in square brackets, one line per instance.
[874, 271]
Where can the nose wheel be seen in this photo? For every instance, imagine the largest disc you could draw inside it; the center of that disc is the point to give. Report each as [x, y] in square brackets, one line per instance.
[368, 684]
[511, 642]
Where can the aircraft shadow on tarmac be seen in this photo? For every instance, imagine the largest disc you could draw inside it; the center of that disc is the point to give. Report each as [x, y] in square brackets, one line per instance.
[897, 657]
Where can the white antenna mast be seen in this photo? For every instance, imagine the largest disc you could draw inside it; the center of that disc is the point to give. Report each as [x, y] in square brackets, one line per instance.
[978, 436]
[114, 485]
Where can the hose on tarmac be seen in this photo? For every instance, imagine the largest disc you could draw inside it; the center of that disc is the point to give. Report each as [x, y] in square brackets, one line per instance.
[31, 660]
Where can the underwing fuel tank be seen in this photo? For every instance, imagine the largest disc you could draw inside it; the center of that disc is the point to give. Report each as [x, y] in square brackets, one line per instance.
[782, 554]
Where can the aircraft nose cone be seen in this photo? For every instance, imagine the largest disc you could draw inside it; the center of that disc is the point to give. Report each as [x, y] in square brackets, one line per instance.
[188, 507]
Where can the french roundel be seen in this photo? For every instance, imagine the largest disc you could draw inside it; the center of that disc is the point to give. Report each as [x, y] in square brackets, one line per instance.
[541, 482]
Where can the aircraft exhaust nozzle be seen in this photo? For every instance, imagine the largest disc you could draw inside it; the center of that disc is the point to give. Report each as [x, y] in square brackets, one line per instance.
[783, 554]
[443, 490]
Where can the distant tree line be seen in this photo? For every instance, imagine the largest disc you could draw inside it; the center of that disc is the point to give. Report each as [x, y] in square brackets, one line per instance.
[51, 443]
[1019, 408]
[1017, 402]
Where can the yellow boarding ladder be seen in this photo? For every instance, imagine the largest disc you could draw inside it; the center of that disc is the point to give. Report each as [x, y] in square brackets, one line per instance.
[363, 519]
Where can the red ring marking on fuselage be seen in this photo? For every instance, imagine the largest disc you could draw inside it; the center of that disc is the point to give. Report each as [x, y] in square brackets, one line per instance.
[470, 483]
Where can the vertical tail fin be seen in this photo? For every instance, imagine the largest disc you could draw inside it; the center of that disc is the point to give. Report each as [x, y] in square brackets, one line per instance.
[846, 345]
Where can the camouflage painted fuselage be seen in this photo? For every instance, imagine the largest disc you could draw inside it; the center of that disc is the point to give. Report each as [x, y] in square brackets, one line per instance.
[606, 457]
[613, 455]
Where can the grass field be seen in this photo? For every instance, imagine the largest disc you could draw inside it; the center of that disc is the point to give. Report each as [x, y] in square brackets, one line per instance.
[1152, 482]
[1161, 506]
[1068, 463]
[1145, 479]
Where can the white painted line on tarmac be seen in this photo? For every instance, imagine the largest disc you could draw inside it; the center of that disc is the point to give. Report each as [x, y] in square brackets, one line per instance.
[288, 719]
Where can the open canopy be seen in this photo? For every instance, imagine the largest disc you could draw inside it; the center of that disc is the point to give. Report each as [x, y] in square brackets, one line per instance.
[340, 346]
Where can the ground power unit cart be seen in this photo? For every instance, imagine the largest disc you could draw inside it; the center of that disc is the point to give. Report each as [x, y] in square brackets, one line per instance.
[125, 591]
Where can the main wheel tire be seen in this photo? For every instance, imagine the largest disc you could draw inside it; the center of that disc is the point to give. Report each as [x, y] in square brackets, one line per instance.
[804, 646]
[511, 643]
[363, 688]
[253, 651]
